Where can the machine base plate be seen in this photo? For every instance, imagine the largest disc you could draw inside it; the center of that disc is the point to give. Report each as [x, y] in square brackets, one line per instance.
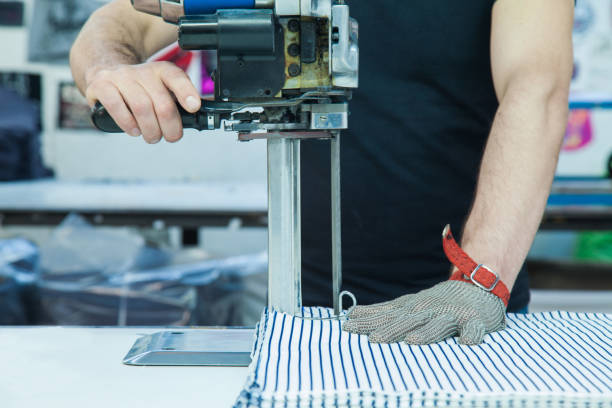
[206, 347]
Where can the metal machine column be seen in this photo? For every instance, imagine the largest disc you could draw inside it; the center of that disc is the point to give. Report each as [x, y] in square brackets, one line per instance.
[284, 225]
[336, 222]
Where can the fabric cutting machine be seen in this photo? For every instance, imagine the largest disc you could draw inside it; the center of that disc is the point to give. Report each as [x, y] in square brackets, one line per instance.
[285, 70]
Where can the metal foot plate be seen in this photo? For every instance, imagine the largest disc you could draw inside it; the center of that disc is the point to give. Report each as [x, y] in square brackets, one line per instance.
[206, 347]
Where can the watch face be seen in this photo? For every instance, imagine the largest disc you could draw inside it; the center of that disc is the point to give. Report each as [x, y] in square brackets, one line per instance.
[11, 13]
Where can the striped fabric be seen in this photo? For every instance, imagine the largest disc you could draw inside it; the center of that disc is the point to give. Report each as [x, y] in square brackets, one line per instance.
[556, 359]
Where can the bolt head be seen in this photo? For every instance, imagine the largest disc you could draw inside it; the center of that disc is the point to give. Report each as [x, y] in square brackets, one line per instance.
[293, 25]
[294, 70]
[293, 50]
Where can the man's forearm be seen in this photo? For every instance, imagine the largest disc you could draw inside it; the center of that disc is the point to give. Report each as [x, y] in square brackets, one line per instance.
[117, 34]
[141, 98]
[103, 41]
[515, 177]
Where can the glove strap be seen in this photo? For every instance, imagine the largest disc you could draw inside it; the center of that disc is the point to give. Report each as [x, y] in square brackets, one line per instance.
[471, 272]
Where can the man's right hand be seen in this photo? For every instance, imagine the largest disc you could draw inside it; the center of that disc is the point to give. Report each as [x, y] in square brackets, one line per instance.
[141, 98]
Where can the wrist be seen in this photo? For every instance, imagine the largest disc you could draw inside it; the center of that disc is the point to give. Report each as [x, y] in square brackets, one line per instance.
[469, 270]
[481, 254]
[491, 245]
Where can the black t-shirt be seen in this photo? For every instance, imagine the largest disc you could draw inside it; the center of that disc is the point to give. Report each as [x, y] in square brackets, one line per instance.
[410, 159]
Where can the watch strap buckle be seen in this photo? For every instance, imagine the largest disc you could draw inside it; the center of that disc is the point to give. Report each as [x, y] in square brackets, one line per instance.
[472, 278]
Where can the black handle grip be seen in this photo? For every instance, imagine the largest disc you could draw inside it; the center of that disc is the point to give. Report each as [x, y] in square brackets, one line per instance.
[209, 116]
[102, 120]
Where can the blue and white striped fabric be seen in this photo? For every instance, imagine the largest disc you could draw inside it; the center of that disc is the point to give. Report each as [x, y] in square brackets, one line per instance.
[556, 359]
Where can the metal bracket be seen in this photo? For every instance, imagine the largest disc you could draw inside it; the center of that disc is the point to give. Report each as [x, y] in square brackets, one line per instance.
[337, 316]
[245, 137]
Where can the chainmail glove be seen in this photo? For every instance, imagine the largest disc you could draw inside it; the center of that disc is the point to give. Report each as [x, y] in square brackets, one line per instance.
[447, 309]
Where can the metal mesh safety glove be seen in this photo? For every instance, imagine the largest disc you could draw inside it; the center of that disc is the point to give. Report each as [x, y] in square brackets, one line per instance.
[471, 304]
[447, 309]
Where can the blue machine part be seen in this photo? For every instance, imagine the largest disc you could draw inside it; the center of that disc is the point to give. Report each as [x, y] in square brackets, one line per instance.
[211, 6]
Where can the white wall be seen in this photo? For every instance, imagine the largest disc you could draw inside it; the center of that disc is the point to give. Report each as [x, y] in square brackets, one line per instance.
[78, 155]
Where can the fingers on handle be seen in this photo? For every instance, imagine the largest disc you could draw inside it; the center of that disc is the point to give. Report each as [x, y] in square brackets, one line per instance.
[434, 331]
[141, 105]
[181, 86]
[472, 332]
[399, 328]
[167, 114]
[110, 97]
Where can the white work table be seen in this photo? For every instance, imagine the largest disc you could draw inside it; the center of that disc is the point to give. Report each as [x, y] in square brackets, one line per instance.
[81, 367]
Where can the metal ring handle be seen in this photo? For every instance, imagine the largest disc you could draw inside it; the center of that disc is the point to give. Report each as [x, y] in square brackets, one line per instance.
[340, 316]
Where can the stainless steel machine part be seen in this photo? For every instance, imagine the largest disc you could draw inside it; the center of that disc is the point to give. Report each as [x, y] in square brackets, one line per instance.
[336, 221]
[264, 4]
[284, 226]
[287, 7]
[328, 116]
[345, 49]
[210, 347]
[316, 8]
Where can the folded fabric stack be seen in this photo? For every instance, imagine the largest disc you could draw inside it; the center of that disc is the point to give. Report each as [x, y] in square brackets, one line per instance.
[555, 359]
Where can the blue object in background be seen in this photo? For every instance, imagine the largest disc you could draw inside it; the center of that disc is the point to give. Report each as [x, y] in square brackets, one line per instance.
[19, 260]
[580, 199]
[11, 309]
[557, 245]
[18, 272]
[211, 6]
[20, 146]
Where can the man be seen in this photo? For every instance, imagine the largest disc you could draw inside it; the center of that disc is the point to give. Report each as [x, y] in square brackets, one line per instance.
[442, 81]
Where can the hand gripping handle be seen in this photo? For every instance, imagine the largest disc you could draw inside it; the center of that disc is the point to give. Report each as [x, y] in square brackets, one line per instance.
[102, 120]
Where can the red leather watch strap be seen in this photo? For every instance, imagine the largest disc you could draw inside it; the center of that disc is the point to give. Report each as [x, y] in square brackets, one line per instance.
[470, 271]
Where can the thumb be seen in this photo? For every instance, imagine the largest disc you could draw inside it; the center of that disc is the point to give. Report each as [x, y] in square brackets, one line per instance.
[472, 332]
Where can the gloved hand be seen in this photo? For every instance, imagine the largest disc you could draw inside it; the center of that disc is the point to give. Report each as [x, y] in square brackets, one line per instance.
[447, 309]
[471, 304]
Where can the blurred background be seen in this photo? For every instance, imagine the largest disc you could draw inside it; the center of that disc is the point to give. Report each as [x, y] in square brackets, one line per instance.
[102, 229]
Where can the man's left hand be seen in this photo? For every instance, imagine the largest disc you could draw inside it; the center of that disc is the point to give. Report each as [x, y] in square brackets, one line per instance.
[447, 309]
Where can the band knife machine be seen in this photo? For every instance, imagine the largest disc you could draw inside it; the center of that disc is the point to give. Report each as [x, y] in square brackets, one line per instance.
[285, 71]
